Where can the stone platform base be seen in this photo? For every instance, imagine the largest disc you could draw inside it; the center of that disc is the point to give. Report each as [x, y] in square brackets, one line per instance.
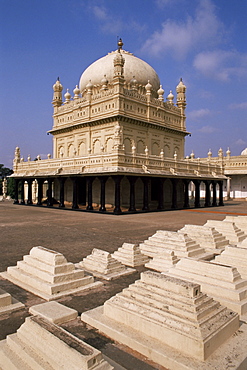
[232, 354]
[45, 296]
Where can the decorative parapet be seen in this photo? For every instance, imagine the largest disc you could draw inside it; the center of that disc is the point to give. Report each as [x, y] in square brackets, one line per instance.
[118, 161]
[231, 165]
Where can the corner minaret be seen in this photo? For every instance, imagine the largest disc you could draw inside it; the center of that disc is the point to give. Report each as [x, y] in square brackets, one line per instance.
[57, 95]
[181, 100]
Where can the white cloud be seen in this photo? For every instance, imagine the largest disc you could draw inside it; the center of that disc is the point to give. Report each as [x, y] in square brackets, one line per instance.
[221, 65]
[238, 105]
[240, 142]
[113, 24]
[100, 12]
[197, 114]
[181, 37]
[207, 129]
[108, 22]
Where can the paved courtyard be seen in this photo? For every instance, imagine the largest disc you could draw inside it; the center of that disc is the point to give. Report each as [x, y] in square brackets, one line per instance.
[75, 234]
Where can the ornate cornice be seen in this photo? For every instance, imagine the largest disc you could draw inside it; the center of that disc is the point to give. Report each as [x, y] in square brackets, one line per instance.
[119, 118]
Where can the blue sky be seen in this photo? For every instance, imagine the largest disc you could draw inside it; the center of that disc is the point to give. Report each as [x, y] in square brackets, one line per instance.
[202, 41]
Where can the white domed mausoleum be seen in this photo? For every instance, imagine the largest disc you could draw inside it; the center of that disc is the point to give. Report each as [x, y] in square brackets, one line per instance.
[118, 145]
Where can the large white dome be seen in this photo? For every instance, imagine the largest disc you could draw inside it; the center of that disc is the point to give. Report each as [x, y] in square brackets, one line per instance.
[133, 67]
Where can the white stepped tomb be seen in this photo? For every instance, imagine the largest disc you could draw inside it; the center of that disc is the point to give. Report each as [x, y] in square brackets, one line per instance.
[165, 241]
[223, 283]
[8, 304]
[162, 262]
[47, 273]
[101, 264]
[228, 229]
[207, 237]
[240, 221]
[130, 255]
[170, 321]
[235, 256]
[41, 345]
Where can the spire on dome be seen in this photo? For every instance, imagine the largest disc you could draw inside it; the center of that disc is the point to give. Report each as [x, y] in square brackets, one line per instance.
[120, 44]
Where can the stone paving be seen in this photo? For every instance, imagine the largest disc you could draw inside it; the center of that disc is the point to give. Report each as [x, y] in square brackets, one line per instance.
[75, 234]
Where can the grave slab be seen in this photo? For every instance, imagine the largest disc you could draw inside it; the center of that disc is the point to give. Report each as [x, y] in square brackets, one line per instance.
[54, 312]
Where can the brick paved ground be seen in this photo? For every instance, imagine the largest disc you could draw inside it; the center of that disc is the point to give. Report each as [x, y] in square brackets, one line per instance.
[75, 234]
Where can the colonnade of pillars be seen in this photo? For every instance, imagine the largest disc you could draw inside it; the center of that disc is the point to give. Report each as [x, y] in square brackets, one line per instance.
[132, 192]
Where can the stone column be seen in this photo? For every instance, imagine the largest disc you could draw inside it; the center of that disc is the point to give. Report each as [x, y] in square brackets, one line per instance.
[145, 181]
[228, 188]
[174, 193]
[22, 192]
[207, 194]
[29, 191]
[75, 193]
[197, 193]
[102, 180]
[40, 191]
[132, 181]
[16, 201]
[61, 183]
[90, 193]
[161, 194]
[117, 209]
[214, 202]
[221, 203]
[49, 193]
[186, 193]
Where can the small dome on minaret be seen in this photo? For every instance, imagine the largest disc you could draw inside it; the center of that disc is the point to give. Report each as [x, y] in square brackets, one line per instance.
[57, 87]
[57, 95]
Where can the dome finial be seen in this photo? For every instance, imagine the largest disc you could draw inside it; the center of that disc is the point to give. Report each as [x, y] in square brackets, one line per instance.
[120, 44]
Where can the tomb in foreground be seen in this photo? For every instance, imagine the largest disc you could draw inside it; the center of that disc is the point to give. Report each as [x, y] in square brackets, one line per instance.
[47, 273]
[40, 344]
[166, 319]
